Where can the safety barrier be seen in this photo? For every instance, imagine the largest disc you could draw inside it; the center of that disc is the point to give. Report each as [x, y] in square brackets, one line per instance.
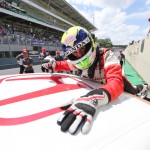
[138, 55]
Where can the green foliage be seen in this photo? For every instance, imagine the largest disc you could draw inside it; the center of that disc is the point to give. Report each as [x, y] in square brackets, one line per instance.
[108, 43]
[105, 42]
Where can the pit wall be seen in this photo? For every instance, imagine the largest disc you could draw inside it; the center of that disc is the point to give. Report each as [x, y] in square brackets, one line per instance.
[138, 55]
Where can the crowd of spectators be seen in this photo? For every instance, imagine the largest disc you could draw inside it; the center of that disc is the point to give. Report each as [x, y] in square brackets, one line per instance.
[27, 36]
[12, 6]
[12, 34]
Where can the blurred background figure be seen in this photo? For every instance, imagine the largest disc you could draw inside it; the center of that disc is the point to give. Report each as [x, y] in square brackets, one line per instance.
[42, 55]
[121, 58]
[148, 34]
[58, 57]
[20, 58]
[27, 62]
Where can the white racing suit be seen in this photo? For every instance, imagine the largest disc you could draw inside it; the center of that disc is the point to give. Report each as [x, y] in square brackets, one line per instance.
[106, 70]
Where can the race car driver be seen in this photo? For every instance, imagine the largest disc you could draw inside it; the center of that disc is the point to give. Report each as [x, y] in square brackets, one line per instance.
[100, 65]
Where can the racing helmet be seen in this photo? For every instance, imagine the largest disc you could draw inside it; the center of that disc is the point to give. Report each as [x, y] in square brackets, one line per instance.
[74, 39]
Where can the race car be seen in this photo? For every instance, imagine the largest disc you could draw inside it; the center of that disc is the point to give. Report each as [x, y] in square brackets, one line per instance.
[30, 105]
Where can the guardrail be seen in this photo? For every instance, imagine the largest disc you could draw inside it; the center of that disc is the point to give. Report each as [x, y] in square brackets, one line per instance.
[138, 55]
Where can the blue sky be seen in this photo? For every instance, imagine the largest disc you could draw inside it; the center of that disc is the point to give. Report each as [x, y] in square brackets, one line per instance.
[120, 20]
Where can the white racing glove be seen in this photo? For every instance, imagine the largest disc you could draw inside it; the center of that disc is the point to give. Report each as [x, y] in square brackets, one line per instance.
[82, 111]
[48, 62]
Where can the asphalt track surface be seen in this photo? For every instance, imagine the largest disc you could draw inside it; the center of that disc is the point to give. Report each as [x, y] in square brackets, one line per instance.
[37, 69]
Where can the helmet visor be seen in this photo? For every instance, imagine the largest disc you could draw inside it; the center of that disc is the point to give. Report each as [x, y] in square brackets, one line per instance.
[77, 46]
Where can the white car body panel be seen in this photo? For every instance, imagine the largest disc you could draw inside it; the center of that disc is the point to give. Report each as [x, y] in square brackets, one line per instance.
[30, 106]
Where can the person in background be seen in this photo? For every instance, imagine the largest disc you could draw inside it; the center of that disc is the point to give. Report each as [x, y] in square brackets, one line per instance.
[42, 55]
[58, 58]
[148, 34]
[121, 58]
[27, 63]
[20, 59]
[94, 63]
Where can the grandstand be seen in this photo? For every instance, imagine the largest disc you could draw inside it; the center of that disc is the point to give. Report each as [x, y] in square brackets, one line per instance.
[33, 24]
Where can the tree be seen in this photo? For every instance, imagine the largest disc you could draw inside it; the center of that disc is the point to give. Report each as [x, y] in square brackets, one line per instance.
[105, 42]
